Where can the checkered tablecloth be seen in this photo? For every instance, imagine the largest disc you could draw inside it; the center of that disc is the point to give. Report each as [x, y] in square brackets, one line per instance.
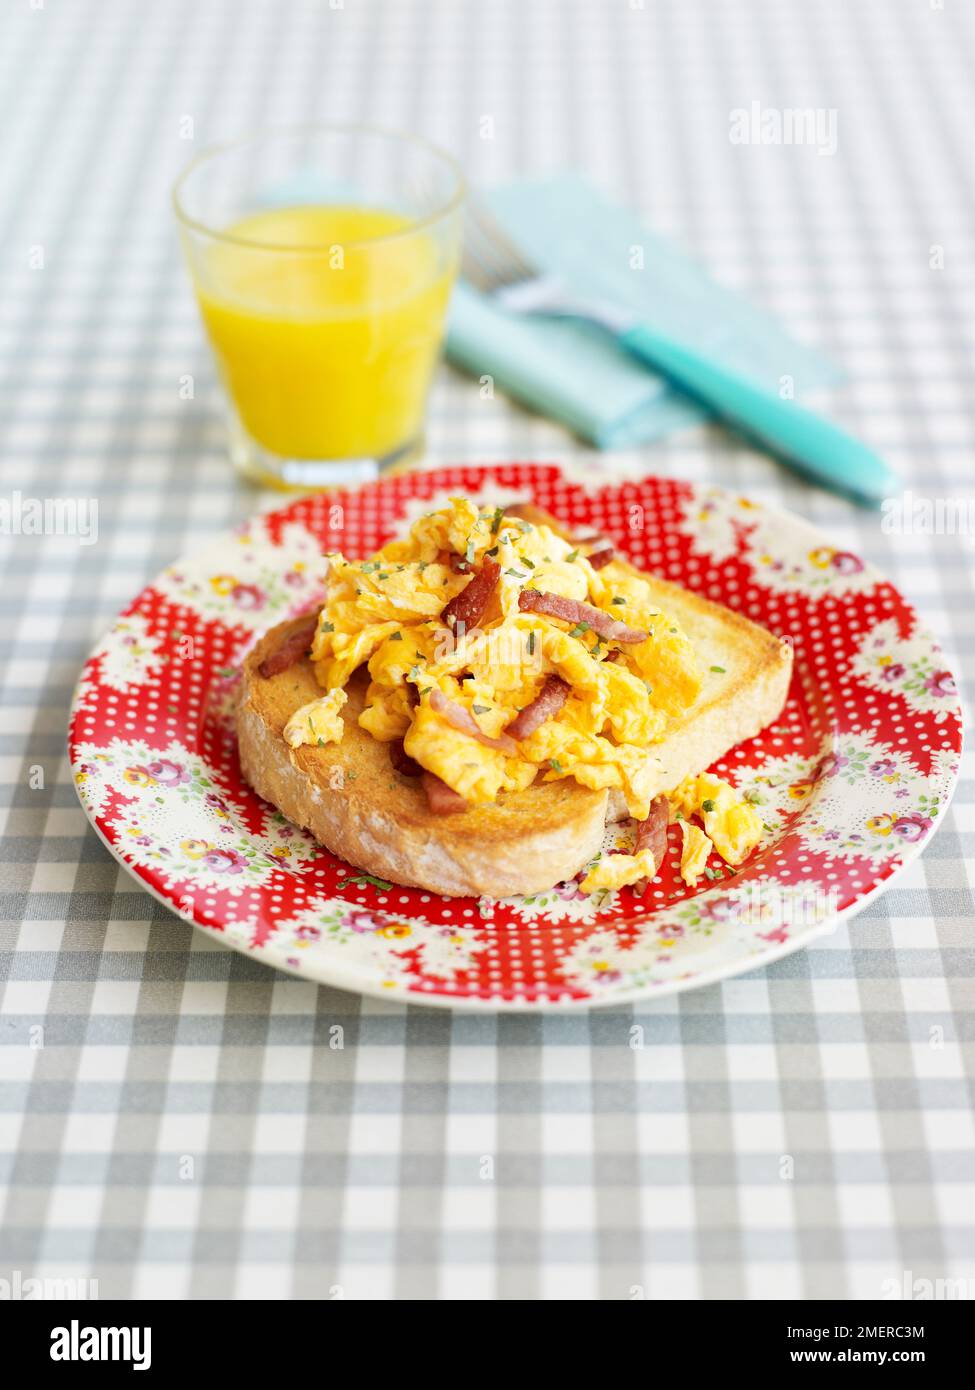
[173, 1120]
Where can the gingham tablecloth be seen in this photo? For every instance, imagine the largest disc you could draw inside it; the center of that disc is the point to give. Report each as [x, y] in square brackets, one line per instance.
[173, 1121]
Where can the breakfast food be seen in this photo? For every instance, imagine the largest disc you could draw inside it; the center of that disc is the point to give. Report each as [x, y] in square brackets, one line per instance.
[475, 702]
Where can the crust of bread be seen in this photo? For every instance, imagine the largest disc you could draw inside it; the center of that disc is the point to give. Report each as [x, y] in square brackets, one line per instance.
[353, 801]
[746, 672]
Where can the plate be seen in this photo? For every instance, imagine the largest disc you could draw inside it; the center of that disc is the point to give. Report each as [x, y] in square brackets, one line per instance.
[850, 781]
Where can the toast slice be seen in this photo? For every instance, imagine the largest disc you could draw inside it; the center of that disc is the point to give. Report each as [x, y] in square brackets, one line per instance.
[353, 801]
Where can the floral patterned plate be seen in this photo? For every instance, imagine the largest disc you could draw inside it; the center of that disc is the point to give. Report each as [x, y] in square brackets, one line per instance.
[850, 781]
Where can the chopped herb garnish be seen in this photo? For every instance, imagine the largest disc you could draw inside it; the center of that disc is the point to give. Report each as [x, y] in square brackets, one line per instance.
[414, 673]
[383, 575]
[707, 805]
[321, 743]
[360, 879]
[720, 670]
[426, 690]
[481, 709]
[572, 555]
[327, 627]
[469, 552]
[531, 644]
[516, 574]
[525, 561]
[555, 765]
[579, 629]
[618, 599]
[492, 551]
[496, 520]
[396, 637]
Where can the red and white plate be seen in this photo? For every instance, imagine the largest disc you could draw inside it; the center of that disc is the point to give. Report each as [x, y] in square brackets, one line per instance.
[851, 780]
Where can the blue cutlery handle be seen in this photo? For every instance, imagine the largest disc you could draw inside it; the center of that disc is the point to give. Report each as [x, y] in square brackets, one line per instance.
[807, 441]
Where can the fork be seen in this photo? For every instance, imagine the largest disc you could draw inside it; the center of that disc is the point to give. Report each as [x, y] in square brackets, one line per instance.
[496, 266]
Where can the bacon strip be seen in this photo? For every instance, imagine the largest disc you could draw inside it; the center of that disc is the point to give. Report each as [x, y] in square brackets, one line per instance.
[442, 800]
[468, 606]
[572, 610]
[459, 718]
[292, 649]
[401, 760]
[599, 558]
[651, 833]
[547, 703]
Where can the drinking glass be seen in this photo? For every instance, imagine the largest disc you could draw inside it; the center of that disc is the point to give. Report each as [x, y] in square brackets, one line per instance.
[323, 259]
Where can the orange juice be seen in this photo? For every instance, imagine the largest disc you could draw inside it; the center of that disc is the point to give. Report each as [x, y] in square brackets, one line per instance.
[326, 323]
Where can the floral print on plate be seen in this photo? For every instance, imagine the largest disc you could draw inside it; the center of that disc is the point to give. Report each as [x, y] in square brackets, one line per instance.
[850, 781]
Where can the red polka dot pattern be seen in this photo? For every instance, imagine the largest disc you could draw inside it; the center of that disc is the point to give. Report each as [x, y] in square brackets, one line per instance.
[558, 950]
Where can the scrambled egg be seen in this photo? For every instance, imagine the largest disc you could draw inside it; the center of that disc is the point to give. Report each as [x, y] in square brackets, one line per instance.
[386, 612]
[695, 849]
[617, 870]
[476, 772]
[734, 826]
[318, 722]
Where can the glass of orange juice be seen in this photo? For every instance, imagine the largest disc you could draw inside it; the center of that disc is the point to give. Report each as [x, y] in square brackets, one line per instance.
[323, 259]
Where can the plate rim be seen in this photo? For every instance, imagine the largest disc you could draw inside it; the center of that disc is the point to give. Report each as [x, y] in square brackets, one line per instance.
[333, 973]
[474, 1004]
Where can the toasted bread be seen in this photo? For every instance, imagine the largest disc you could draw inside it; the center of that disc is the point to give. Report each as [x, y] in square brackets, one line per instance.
[353, 801]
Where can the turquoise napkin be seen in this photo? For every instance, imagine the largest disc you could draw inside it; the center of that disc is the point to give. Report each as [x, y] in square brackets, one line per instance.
[577, 374]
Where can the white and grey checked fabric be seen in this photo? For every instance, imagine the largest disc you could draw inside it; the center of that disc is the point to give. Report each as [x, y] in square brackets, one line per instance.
[173, 1121]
